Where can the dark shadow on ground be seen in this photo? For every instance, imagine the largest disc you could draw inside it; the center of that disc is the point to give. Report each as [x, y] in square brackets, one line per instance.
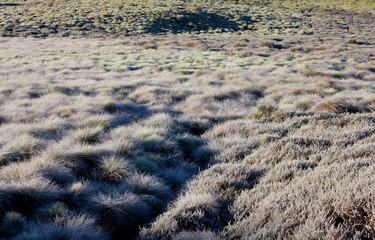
[10, 4]
[188, 22]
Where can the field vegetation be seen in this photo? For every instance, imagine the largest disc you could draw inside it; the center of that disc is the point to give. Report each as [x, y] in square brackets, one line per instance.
[187, 120]
[132, 17]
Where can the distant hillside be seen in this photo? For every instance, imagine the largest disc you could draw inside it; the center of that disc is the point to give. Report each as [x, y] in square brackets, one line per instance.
[130, 17]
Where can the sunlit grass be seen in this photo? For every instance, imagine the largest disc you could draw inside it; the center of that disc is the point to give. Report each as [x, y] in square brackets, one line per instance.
[92, 17]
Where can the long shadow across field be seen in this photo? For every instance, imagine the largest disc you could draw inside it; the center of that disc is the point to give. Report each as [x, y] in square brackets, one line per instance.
[187, 22]
[9, 4]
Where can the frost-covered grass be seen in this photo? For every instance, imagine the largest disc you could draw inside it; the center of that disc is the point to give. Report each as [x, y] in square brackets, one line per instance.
[187, 137]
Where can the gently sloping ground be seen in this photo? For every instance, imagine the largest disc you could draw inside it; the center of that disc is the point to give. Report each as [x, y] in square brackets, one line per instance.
[81, 162]
[85, 158]
[120, 17]
[99, 137]
[308, 176]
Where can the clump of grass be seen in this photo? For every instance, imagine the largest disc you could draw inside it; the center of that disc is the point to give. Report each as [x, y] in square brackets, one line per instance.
[113, 169]
[264, 111]
[76, 228]
[285, 172]
[296, 48]
[370, 103]
[340, 49]
[66, 112]
[147, 184]
[12, 223]
[309, 71]
[161, 120]
[25, 195]
[245, 54]
[165, 226]
[149, 133]
[336, 105]
[191, 212]
[79, 192]
[121, 213]
[202, 155]
[224, 95]
[267, 44]
[193, 44]
[101, 121]
[88, 135]
[57, 211]
[60, 89]
[199, 201]
[19, 149]
[303, 106]
[238, 44]
[150, 46]
[125, 147]
[175, 177]
[155, 142]
[203, 235]
[20, 171]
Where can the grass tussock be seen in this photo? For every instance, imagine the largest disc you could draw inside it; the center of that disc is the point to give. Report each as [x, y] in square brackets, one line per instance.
[87, 135]
[12, 223]
[114, 169]
[121, 213]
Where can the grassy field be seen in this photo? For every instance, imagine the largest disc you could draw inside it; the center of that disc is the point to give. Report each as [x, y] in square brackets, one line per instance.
[132, 17]
[187, 120]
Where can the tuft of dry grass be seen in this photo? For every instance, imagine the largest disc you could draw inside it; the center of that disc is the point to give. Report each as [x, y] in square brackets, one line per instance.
[12, 224]
[114, 169]
[87, 135]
